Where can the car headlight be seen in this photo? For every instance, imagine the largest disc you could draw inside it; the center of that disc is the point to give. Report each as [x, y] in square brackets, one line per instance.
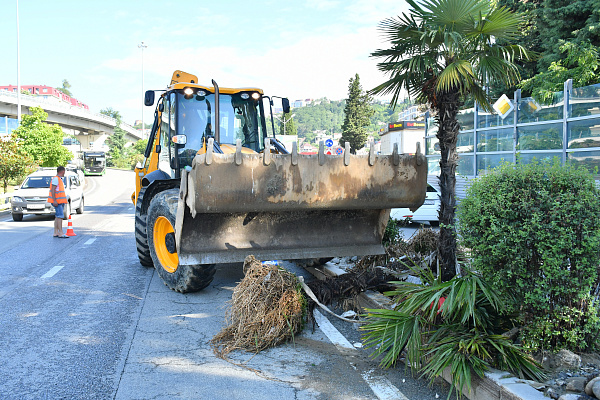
[19, 199]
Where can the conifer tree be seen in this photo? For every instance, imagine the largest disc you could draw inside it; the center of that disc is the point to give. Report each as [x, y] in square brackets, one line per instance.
[357, 114]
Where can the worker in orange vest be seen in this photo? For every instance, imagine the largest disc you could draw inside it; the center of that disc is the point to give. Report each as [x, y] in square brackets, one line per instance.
[58, 198]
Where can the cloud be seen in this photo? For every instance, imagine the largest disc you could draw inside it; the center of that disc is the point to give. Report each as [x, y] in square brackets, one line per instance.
[307, 64]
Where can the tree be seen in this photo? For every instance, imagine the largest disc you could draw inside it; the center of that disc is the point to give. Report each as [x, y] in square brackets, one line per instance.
[441, 52]
[140, 146]
[41, 141]
[549, 25]
[65, 88]
[287, 125]
[14, 162]
[581, 64]
[357, 117]
[116, 142]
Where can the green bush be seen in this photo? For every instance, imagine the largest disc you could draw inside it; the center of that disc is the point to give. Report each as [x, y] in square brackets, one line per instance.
[534, 232]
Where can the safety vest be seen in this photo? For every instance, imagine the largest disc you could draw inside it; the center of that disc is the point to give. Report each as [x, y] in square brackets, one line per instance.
[61, 196]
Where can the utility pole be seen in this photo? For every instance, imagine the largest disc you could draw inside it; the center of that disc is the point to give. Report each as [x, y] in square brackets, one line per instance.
[143, 46]
[18, 70]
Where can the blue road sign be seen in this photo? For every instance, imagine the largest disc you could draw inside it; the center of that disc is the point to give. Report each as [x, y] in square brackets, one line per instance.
[329, 143]
[339, 151]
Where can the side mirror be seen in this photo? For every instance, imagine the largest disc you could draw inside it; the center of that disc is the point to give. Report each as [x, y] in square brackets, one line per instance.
[285, 103]
[158, 148]
[149, 98]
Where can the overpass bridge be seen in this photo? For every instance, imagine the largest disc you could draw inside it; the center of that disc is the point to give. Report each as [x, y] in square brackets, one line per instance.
[89, 128]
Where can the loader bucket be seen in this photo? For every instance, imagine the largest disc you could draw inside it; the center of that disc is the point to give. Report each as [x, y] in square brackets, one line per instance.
[292, 206]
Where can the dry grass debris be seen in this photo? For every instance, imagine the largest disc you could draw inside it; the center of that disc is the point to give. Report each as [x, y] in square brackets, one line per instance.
[398, 255]
[267, 308]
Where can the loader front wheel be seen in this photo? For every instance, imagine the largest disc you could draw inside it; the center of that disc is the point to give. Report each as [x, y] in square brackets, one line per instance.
[163, 249]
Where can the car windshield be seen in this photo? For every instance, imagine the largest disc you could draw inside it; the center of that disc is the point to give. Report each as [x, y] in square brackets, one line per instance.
[36, 182]
[94, 161]
[241, 118]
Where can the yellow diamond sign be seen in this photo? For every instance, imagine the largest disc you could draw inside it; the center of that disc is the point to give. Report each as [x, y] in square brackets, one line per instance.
[503, 106]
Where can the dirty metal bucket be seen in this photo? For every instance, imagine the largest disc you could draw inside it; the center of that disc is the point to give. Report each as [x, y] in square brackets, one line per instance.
[292, 206]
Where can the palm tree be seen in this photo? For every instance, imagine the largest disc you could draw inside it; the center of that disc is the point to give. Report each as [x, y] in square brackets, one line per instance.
[440, 53]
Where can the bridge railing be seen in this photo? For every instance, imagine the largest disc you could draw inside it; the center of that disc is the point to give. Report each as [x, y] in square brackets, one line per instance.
[60, 106]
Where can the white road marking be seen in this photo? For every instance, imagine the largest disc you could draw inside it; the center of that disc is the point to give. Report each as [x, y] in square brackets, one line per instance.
[90, 241]
[52, 272]
[380, 385]
[331, 332]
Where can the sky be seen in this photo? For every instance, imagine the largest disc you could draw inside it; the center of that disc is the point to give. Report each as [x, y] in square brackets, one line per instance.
[295, 49]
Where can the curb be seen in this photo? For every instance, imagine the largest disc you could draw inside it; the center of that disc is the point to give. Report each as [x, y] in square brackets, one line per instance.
[495, 385]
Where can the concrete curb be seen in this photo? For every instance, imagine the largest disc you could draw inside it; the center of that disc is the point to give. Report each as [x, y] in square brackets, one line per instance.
[496, 385]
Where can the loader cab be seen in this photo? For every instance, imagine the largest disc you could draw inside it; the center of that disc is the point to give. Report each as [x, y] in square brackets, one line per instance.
[188, 120]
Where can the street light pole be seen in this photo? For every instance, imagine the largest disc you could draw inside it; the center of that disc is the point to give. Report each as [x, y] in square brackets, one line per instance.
[143, 46]
[284, 121]
[18, 70]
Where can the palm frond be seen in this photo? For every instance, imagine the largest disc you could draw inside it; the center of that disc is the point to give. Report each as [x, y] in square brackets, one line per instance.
[500, 23]
[389, 332]
[457, 75]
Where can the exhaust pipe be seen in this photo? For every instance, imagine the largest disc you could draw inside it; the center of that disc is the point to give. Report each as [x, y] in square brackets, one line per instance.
[217, 115]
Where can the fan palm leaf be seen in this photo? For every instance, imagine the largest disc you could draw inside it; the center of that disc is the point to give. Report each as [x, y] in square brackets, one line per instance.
[440, 52]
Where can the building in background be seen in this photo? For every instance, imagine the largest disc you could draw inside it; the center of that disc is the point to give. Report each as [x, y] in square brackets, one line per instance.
[406, 134]
[47, 92]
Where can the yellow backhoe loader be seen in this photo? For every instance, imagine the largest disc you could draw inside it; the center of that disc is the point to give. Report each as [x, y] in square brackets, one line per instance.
[214, 188]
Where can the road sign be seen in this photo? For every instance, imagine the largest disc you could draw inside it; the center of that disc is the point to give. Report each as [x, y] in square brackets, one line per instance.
[329, 143]
[328, 152]
[503, 106]
[339, 151]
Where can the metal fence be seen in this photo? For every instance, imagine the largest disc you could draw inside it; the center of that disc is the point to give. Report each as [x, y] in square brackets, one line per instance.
[568, 128]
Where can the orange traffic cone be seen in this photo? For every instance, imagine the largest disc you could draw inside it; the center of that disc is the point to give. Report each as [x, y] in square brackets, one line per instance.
[70, 228]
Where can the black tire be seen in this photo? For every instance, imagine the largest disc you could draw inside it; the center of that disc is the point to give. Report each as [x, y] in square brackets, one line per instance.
[141, 236]
[181, 278]
[17, 217]
[81, 206]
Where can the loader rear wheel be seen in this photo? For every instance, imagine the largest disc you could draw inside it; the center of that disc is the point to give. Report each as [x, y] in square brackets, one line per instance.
[161, 240]
[141, 235]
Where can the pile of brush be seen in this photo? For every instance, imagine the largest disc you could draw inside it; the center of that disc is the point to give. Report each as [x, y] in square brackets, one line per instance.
[420, 249]
[267, 308]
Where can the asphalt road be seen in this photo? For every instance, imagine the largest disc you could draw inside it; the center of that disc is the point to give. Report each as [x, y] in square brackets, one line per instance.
[82, 319]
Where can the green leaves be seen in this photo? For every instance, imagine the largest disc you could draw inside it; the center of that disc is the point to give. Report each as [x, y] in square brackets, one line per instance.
[446, 325]
[534, 233]
[14, 162]
[41, 141]
[357, 114]
[453, 44]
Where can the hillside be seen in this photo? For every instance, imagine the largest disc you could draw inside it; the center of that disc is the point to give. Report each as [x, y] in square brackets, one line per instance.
[328, 115]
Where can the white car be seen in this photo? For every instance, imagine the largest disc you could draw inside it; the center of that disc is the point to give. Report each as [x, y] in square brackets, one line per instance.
[427, 213]
[32, 196]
